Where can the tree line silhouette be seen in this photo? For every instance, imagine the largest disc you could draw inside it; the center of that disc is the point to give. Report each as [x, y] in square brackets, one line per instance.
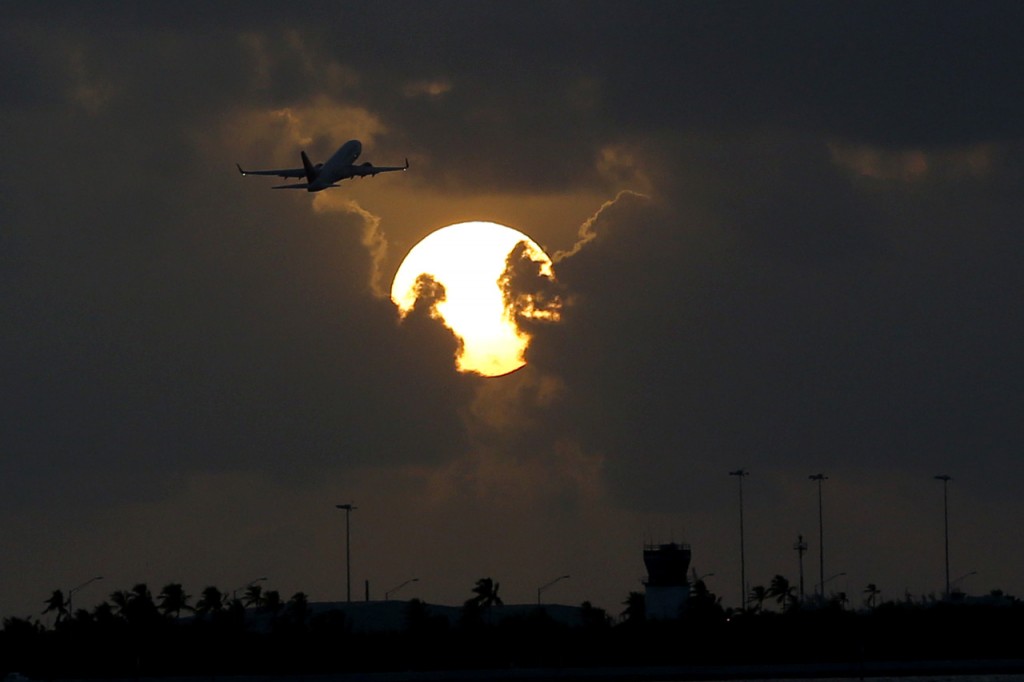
[136, 633]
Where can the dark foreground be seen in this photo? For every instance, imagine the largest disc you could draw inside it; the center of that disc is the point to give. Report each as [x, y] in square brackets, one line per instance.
[992, 670]
[891, 641]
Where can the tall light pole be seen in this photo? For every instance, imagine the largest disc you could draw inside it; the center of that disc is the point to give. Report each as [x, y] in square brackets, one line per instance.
[72, 591]
[740, 474]
[348, 551]
[821, 535]
[945, 520]
[546, 586]
[800, 546]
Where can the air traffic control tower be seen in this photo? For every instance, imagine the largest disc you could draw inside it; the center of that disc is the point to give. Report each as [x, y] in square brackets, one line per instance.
[666, 588]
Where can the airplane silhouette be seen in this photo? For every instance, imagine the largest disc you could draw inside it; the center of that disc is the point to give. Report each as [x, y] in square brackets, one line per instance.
[340, 166]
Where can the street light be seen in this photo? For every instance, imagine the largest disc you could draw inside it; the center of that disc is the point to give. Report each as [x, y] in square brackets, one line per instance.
[544, 587]
[387, 595]
[822, 584]
[72, 591]
[945, 520]
[740, 473]
[821, 534]
[348, 551]
[956, 582]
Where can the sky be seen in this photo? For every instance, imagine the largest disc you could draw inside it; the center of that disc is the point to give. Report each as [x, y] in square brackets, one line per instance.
[787, 237]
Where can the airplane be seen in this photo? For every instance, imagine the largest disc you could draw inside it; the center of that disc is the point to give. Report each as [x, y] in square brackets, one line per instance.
[340, 166]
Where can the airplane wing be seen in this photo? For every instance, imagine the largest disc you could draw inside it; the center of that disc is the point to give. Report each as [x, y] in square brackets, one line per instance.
[369, 169]
[280, 172]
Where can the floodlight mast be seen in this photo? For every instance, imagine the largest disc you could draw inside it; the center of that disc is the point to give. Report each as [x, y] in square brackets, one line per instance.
[348, 550]
[821, 535]
[945, 478]
[740, 474]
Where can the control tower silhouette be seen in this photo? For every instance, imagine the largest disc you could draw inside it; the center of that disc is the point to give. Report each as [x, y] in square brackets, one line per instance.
[666, 588]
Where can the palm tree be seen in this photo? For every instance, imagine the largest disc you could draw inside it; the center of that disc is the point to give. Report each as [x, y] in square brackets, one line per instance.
[143, 606]
[872, 593]
[21, 628]
[838, 600]
[120, 599]
[57, 603]
[783, 592]
[297, 610]
[476, 609]
[758, 595]
[272, 601]
[486, 591]
[253, 596]
[174, 600]
[636, 608]
[211, 601]
[103, 614]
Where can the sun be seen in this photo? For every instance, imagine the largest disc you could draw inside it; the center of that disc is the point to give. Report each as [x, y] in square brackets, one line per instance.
[468, 260]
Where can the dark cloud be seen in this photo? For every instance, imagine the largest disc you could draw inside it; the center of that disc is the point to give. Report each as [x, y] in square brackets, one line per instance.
[790, 329]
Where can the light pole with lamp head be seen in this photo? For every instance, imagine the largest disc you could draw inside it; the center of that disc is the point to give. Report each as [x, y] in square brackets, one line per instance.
[822, 584]
[955, 585]
[546, 586]
[387, 595]
[72, 591]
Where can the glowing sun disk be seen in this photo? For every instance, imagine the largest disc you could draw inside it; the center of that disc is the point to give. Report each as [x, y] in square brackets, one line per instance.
[468, 259]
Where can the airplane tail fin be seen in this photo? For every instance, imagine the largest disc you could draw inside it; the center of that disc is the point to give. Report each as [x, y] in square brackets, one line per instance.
[310, 168]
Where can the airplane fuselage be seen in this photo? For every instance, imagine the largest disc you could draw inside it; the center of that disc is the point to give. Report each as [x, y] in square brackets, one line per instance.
[339, 167]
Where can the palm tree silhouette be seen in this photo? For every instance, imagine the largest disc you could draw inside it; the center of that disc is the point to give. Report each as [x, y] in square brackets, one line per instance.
[136, 606]
[272, 602]
[872, 593]
[486, 591]
[636, 608]
[211, 601]
[297, 610]
[758, 595]
[783, 592]
[253, 596]
[57, 603]
[120, 599]
[174, 600]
